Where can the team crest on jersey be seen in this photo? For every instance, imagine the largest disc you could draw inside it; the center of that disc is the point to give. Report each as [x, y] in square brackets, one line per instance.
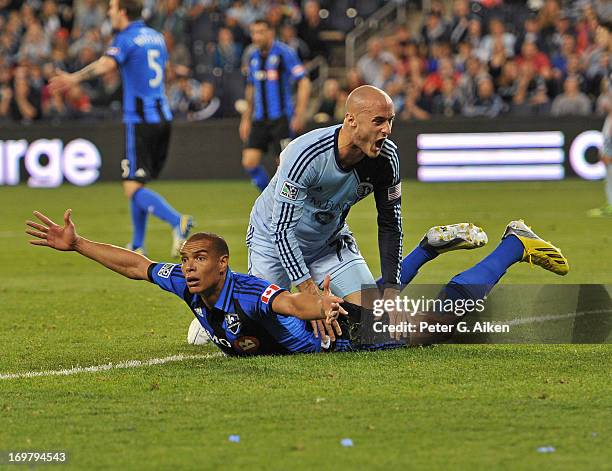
[232, 321]
[273, 60]
[268, 293]
[324, 217]
[247, 344]
[289, 191]
[364, 189]
[165, 270]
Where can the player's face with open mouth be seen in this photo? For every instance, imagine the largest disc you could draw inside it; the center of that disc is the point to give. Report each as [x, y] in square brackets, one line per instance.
[375, 127]
[201, 266]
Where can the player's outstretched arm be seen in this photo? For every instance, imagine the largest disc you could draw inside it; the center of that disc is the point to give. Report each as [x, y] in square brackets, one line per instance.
[62, 81]
[123, 261]
[310, 307]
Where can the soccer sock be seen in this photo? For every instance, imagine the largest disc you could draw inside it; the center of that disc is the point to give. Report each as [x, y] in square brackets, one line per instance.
[412, 262]
[609, 184]
[151, 202]
[478, 281]
[259, 177]
[139, 224]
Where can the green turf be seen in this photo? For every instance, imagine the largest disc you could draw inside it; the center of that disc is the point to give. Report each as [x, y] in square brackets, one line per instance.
[449, 406]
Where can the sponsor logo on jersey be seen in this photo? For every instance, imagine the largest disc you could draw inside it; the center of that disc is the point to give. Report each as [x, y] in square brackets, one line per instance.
[394, 192]
[232, 321]
[324, 217]
[273, 60]
[364, 189]
[298, 70]
[247, 344]
[165, 270]
[272, 75]
[268, 293]
[260, 75]
[289, 191]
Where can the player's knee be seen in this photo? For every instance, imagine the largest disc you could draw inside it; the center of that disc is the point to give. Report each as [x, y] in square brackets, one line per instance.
[250, 159]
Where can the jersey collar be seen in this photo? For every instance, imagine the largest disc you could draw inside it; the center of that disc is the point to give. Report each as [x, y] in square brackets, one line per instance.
[225, 297]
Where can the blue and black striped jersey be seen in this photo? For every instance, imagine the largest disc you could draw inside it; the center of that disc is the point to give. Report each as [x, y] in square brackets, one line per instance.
[272, 77]
[242, 322]
[140, 53]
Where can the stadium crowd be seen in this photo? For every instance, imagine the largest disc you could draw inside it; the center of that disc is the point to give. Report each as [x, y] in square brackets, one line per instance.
[482, 58]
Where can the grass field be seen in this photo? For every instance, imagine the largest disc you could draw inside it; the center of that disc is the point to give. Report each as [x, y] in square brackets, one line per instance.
[452, 406]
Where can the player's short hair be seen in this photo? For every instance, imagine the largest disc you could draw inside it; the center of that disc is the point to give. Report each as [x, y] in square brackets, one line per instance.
[605, 23]
[218, 243]
[133, 8]
[262, 21]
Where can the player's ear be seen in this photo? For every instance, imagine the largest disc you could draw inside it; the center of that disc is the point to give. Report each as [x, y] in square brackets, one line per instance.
[223, 262]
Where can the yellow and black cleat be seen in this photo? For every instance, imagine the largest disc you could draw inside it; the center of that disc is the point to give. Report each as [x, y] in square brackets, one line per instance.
[537, 251]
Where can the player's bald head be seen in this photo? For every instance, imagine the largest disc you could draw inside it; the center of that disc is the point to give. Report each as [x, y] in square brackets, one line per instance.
[367, 97]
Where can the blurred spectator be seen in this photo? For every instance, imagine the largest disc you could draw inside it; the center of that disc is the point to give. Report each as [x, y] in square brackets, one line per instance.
[460, 21]
[289, 37]
[448, 102]
[530, 33]
[227, 52]
[531, 96]
[77, 103]
[487, 103]
[205, 105]
[170, 17]
[386, 75]
[370, 64]
[497, 34]
[474, 71]
[183, 93]
[106, 97]
[572, 101]
[50, 18]
[414, 104]
[536, 59]
[434, 29]
[332, 103]
[310, 29]
[507, 82]
[474, 38]
[88, 15]
[36, 45]
[25, 105]
[445, 70]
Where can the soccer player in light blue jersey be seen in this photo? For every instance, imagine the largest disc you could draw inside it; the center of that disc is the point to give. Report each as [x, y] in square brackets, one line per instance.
[140, 54]
[298, 231]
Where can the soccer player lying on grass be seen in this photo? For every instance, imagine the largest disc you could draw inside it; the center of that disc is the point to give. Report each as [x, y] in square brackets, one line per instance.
[241, 313]
[244, 314]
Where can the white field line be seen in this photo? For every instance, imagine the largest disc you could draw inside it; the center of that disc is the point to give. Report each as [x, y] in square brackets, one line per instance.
[110, 366]
[181, 357]
[551, 317]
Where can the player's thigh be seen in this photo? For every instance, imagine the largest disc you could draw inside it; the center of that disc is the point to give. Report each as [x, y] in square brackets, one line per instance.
[280, 134]
[158, 147]
[257, 144]
[347, 268]
[145, 152]
[265, 264]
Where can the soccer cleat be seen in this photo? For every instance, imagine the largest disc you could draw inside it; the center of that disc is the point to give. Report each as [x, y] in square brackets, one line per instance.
[138, 250]
[454, 237]
[537, 251]
[604, 211]
[180, 234]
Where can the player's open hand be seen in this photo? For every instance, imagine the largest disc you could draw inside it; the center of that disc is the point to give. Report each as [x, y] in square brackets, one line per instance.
[61, 82]
[52, 235]
[331, 307]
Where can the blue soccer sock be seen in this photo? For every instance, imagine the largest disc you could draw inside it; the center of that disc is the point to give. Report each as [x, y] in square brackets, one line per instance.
[259, 177]
[151, 202]
[478, 281]
[139, 224]
[412, 263]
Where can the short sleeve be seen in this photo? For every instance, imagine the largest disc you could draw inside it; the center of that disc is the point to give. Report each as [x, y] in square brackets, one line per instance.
[169, 277]
[119, 49]
[294, 65]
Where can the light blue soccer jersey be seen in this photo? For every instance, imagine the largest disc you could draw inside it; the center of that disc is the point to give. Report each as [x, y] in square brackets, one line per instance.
[304, 208]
